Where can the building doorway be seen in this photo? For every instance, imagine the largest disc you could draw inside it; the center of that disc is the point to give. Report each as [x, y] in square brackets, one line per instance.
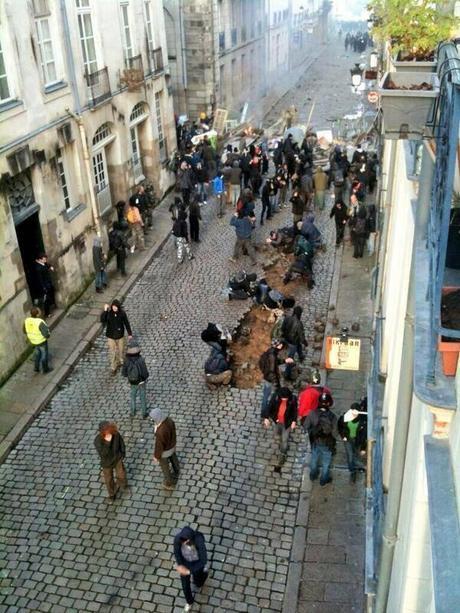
[30, 241]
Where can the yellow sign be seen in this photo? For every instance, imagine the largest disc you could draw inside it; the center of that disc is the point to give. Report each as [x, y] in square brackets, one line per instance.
[342, 355]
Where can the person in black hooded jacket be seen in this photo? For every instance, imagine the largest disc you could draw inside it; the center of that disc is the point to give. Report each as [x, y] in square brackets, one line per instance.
[116, 322]
[180, 232]
[282, 411]
[137, 374]
[191, 557]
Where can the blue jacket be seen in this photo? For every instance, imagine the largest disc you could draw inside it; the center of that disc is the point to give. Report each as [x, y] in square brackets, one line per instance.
[218, 185]
[198, 540]
[216, 363]
[243, 226]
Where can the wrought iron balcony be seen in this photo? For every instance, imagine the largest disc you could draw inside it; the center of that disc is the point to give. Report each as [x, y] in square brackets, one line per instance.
[156, 61]
[99, 86]
[133, 75]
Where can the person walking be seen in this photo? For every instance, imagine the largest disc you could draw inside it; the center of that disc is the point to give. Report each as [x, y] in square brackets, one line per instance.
[266, 201]
[185, 181]
[110, 446]
[219, 192]
[352, 427]
[293, 332]
[99, 262]
[298, 206]
[118, 244]
[38, 333]
[282, 411]
[202, 182]
[194, 217]
[135, 370]
[192, 558]
[359, 231]
[340, 214]
[164, 452]
[235, 183]
[243, 229]
[269, 365]
[180, 232]
[320, 181]
[321, 425]
[45, 285]
[116, 322]
[136, 225]
[310, 395]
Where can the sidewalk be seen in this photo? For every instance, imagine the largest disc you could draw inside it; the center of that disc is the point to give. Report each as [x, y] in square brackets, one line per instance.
[26, 393]
[333, 565]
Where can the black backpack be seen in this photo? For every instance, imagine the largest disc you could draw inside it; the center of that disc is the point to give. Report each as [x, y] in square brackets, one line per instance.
[361, 226]
[323, 429]
[132, 372]
[115, 241]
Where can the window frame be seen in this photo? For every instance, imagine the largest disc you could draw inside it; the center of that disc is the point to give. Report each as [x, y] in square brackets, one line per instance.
[159, 122]
[126, 32]
[149, 25]
[41, 43]
[84, 11]
[5, 76]
[63, 182]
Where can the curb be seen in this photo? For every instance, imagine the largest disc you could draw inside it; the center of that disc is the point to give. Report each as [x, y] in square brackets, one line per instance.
[299, 543]
[59, 376]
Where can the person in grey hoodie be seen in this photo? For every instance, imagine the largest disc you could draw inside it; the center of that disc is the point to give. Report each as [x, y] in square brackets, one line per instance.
[135, 370]
[100, 262]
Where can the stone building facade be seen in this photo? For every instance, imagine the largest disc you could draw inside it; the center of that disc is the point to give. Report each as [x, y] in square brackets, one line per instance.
[216, 53]
[85, 115]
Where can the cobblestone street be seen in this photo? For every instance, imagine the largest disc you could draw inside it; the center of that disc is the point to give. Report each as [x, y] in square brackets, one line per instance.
[63, 548]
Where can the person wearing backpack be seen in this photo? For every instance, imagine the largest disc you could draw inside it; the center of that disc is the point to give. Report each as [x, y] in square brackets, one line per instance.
[136, 225]
[269, 365]
[115, 320]
[118, 245]
[309, 397]
[135, 370]
[359, 231]
[282, 411]
[321, 425]
[293, 332]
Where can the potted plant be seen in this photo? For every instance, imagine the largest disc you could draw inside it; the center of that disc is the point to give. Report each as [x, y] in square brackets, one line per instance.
[449, 348]
[413, 29]
[406, 99]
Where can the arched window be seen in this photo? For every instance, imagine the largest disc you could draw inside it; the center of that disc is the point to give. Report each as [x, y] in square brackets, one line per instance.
[102, 133]
[138, 110]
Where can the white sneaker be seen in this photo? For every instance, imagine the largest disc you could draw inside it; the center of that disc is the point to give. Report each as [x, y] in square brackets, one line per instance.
[133, 248]
[188, 607]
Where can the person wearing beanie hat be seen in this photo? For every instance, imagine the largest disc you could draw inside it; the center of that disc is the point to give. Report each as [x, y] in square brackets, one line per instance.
[282, 411]
[110, 447]
[321, 425]
[99, 262]
[135, 370]
[164, 452]
[309, 397]
[352, 427]
[115, 320]
[293, 332]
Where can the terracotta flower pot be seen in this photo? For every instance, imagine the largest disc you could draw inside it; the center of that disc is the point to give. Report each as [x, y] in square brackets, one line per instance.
[449, 356]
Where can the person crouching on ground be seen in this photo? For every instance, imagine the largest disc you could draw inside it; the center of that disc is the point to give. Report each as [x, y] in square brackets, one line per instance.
[217, 367]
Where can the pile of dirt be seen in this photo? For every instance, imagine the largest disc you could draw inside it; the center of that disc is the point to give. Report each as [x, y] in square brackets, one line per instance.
[275, 274]
[252, 338]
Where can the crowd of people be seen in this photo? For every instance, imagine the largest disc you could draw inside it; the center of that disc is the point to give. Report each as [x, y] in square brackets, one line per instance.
[243, 183]
[357, 41]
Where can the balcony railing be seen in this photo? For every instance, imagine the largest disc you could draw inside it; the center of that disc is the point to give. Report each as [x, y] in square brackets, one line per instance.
[156, 61]
[133, 75]
[99, 86]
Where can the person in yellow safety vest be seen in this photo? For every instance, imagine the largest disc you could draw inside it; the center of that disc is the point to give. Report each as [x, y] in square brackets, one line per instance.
[37, 334]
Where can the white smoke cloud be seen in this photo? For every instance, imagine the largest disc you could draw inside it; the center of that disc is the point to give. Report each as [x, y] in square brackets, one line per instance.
[350, 10]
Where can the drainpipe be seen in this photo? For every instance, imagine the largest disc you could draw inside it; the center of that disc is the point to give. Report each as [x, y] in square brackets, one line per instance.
[87, 167]
[398, 456]
[424, 191]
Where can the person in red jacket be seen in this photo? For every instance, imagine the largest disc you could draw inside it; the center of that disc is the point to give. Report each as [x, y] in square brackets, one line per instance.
[309, 397]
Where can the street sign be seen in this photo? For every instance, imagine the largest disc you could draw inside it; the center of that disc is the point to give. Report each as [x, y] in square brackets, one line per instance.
[373, 97]
[342, 354]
